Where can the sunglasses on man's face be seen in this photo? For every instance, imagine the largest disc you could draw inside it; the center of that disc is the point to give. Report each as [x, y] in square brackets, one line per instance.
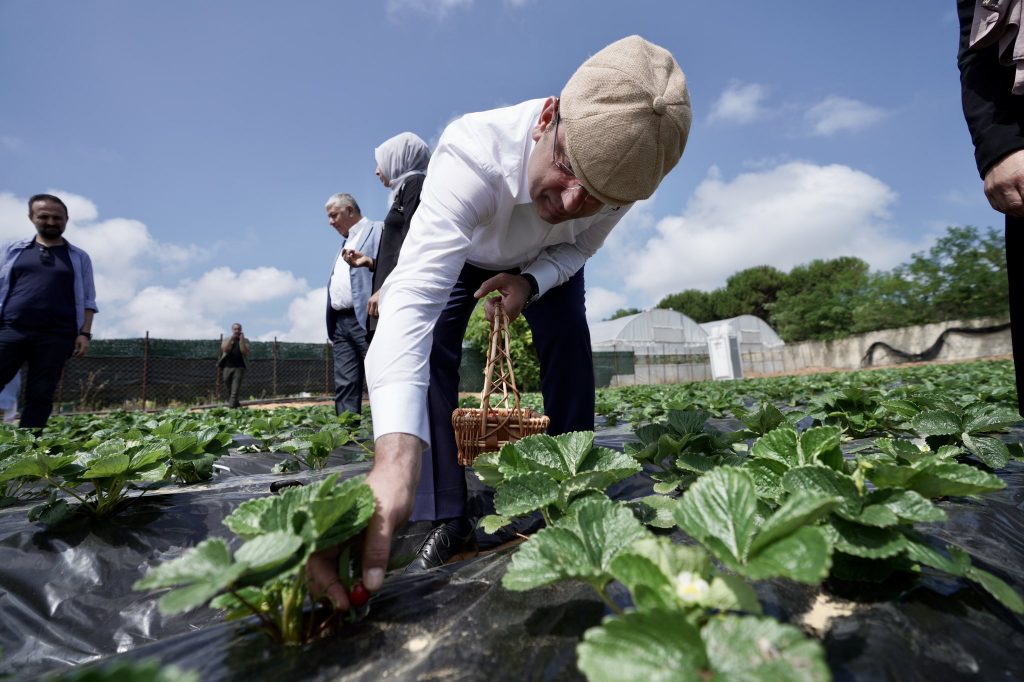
[45, 256]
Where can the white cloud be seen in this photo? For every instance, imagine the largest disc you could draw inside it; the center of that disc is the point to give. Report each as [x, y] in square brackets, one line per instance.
[438, 8]
[306, 314]
[739, 103]
[633, 229]
[124, 254]
[162, 311]
[221, 290]
[601, 303]
[131, 270]
[782, 217]
[836, 114]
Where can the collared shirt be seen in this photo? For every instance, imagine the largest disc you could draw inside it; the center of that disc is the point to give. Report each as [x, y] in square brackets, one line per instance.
[340, 285]
[475, 207]
[85, 288]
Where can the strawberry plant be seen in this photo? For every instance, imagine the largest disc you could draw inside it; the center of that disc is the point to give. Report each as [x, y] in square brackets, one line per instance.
[971, 428]
[662, 646]
[548, 474]
[682, 622]
[310, 447]
[100, 479]
[265, 576]
[721, 512]
[682, 449]
[902, 464]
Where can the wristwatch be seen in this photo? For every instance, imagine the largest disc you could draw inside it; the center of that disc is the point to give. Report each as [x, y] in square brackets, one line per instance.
[86, 334]
[534, 289]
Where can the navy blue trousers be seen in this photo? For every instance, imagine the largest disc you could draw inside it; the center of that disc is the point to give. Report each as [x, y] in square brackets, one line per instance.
[1015, 275]
[348, 345]
[558, 321]
[45, 355]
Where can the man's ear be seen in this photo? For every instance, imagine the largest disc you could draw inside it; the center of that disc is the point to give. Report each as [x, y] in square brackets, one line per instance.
[546, 118]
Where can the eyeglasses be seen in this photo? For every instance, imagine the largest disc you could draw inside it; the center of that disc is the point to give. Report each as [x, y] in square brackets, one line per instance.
[589, 202]
[45, 256]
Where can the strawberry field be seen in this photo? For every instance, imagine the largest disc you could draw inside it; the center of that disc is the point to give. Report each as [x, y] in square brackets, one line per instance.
[860, 525]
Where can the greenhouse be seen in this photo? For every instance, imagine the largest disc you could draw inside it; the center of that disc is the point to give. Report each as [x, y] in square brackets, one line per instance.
[653, 347]
[748, 345]
[753, 333]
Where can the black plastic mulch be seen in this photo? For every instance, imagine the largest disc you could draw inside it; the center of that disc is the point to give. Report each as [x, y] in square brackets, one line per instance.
[66, 600]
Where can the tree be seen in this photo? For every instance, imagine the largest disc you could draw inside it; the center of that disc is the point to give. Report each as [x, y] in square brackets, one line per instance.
[963, 275]
[524, 356]
[624, 312]
[887, 302]
[693, 303]
[753, 290]
[818, 299]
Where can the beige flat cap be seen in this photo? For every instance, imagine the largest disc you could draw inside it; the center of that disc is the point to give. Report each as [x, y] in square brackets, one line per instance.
[626, 114]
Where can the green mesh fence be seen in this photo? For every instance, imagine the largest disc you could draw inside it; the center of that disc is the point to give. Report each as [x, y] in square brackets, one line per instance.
[608, 364]
[160, 372]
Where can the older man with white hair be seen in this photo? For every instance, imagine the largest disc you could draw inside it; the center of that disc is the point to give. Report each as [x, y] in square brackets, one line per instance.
[515, 201]
[348, 292]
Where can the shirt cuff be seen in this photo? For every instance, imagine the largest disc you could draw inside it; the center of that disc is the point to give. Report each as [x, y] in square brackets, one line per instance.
[392, 410]
[545, 273]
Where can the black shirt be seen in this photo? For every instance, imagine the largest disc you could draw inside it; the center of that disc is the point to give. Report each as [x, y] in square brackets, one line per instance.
[41, 294]
[234, 357]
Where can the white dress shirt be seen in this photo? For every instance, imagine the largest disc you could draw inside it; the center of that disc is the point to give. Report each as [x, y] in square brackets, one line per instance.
[475, 207]
[340, 286]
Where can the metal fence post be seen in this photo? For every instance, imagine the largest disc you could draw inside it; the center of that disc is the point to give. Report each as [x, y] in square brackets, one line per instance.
[216, 371]
[274, 384]
[145, 368]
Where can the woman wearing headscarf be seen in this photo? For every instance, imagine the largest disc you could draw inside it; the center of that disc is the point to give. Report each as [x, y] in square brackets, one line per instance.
[401, 167]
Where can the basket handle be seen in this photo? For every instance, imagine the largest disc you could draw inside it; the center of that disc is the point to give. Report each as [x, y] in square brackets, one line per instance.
[499, 378]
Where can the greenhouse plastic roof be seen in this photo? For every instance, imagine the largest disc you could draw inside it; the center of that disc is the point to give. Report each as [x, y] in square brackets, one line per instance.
[749, 329]
[657, 326]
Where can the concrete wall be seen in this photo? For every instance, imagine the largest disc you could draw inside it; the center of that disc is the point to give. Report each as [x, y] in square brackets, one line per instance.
[847, 353]
[842, 354]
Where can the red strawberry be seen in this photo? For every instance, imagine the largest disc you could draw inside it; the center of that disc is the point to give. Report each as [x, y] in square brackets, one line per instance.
[358, 595]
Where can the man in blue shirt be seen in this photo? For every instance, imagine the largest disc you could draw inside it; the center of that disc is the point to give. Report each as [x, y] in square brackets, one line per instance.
[47, 301]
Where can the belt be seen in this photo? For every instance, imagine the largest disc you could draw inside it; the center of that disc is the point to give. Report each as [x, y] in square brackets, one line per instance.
[346, 311]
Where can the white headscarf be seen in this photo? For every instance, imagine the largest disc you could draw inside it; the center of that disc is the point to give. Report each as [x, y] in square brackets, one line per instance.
[400, 158]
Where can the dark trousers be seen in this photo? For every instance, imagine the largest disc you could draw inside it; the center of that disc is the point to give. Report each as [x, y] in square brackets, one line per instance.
[45, 355]
[561, 336]
[233, 381]
[1015, 275]
[348, 343]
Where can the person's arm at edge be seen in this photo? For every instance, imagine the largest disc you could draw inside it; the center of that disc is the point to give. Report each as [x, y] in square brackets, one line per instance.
[89, 303]
[82, 342]
[992, 115]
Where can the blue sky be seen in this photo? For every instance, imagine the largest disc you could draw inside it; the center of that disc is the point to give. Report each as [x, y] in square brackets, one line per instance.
[196, 142]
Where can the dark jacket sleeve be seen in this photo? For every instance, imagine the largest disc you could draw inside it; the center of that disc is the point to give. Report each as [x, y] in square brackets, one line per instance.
[994, 115]
[396, 227]
[332, 315]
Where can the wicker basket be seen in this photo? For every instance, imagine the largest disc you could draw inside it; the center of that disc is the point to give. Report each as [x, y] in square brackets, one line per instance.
[487, 428]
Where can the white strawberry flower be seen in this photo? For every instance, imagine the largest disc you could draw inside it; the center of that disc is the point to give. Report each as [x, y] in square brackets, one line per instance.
[690, 587]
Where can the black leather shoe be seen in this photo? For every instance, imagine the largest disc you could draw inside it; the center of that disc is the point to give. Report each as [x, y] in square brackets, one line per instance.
[441, 544]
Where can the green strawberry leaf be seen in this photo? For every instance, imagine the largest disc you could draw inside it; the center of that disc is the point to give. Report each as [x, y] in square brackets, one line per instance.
[654, 646]
[721, 506]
